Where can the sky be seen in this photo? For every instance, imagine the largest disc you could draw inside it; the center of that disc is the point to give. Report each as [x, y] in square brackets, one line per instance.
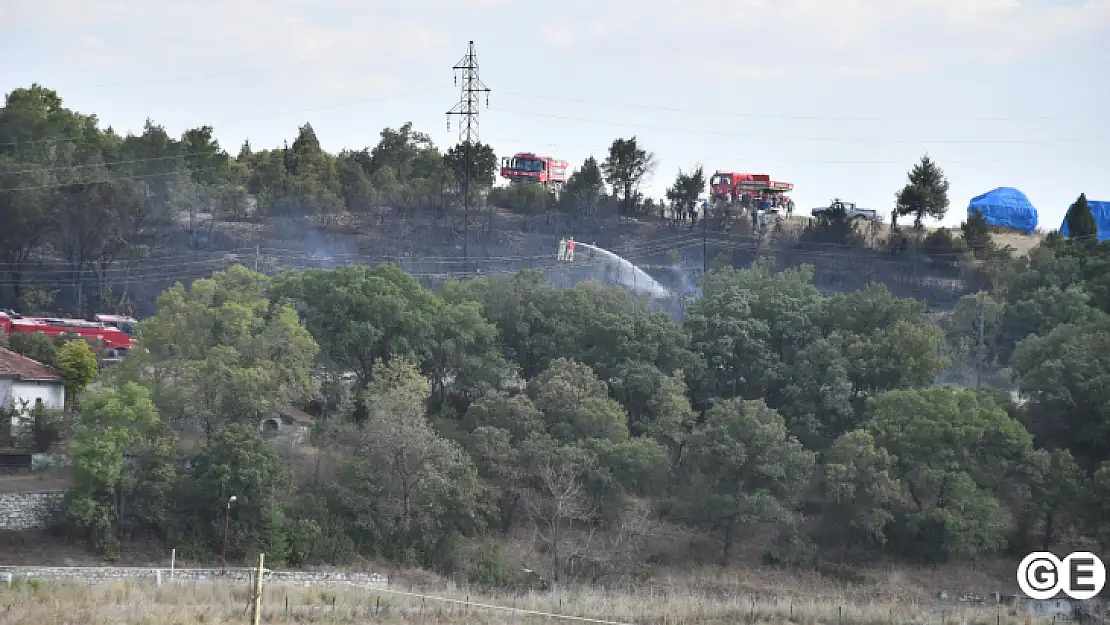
[840, 97]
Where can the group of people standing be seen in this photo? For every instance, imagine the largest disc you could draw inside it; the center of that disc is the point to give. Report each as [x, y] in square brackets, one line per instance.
[678, 213]
[757, 207]
[566, 249]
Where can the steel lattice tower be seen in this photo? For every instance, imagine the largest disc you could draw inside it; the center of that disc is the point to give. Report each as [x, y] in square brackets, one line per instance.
[467, 108]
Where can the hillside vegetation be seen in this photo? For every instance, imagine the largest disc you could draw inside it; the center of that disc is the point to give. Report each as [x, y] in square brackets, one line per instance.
[498, 425]
[498, 418]
[99, 221]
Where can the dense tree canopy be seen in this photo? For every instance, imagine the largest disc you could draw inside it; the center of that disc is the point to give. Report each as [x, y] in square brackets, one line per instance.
[500, 403]
[557, 420]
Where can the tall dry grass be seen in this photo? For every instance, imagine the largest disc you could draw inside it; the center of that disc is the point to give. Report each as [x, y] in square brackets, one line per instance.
[134, 603]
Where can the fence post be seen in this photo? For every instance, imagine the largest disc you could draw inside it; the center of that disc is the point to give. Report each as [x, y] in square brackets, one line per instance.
[158, 576]
[256, 607]
[173, 561]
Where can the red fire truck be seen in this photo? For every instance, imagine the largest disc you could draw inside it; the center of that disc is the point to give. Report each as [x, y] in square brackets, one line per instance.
[731, 187]
[109, 332]
[528, 167]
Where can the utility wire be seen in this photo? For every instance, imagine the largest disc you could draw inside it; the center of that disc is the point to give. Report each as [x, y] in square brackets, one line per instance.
[748, 158]
[109, 164]
[752, 115]
[728, 133]
[482, 266]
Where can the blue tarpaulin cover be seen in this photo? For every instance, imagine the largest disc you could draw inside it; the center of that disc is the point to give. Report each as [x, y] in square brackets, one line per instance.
[1005, 207]
[1101, 211]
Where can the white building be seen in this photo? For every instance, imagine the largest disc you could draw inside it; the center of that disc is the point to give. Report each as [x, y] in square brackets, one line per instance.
[24, 385]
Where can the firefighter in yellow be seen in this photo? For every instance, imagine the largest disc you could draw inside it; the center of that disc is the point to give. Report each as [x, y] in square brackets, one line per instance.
[562, 249]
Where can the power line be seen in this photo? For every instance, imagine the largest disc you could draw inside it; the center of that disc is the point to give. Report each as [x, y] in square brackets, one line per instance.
[732, 114]
[493, 265]
[467, 108]
[724, 132]
[286, 64]
[133, 161]
[761, 160]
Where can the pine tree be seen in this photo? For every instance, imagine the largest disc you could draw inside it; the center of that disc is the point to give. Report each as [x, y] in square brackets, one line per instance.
[926, 194]
[976, 231]
[1080, 220]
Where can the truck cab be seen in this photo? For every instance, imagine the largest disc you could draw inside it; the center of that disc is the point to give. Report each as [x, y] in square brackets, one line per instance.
[851, 211]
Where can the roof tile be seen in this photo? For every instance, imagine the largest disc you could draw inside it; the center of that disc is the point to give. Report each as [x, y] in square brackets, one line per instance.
[12, 365]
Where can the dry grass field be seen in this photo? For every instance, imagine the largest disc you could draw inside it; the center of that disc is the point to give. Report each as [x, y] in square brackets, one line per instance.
[716, 600]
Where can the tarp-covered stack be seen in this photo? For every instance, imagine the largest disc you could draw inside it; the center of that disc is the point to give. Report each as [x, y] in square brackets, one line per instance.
[1101, 211]
[1005, 207]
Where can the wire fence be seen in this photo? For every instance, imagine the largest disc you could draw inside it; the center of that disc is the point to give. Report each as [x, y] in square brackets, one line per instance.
[372, 597]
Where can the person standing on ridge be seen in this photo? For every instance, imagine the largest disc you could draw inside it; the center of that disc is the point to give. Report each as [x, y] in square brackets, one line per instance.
[570, 250]
[562, 249]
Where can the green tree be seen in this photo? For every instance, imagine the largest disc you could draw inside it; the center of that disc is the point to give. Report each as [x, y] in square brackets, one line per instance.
[741, 469]
[926, 193]
[1062, 374]
[362, 314]
[585, 188]
[77, 364]
[238, 462]
[524, 197]
[860, 492]
[483, 164]
[398, 149]
[576, 404]
[220, 352]
[408, 486]
[954, 451]
[1096, 505]
[499, 426]
[748, 325]
[1056, 490]
[115, 424]
[35, 345]
[1080, 221]
[462, 358]
[687, 188]
[625, 168]
[977, 234]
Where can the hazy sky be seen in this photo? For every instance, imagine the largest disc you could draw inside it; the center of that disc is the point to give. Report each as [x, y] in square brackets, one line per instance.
[840, 97]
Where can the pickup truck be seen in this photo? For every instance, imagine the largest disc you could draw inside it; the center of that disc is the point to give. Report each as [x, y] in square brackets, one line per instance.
[850, 210]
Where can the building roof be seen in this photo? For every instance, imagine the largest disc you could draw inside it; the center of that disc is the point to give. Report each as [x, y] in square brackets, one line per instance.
[12, 365]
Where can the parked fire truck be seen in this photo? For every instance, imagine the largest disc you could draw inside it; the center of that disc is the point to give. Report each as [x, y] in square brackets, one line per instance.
[528, 167]
[110, 333]
[748, 190]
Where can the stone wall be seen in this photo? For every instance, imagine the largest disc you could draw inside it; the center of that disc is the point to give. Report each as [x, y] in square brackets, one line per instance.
[28, 511]
[232, 576]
